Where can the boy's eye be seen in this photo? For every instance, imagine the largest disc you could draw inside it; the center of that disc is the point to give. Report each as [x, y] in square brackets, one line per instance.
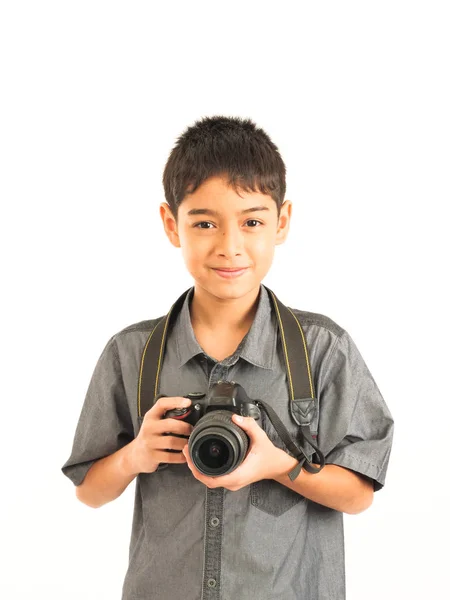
[202, 223]
[208, 223]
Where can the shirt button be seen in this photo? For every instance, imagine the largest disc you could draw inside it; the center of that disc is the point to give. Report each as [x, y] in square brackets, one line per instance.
[212, 583]
[214, 521]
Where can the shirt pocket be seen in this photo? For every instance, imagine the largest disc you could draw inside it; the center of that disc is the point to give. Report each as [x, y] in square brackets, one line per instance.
[272, 497]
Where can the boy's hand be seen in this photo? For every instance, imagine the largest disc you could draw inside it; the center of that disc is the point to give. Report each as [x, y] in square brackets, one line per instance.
[154, 437]
[262, 461]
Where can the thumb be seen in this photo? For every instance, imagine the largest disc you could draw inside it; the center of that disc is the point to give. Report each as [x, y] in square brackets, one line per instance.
[246, 423]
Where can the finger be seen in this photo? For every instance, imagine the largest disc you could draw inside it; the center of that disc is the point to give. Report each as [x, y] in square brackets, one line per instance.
[162, 405]
[172, 426]
[169, 442]
[245, 423]
[169, 457]
[249, 425]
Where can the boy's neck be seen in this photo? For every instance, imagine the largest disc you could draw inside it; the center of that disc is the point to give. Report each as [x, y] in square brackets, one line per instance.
[217, 314]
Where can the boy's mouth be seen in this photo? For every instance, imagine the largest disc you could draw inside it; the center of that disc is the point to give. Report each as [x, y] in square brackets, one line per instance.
[229, 268]
[230, 272]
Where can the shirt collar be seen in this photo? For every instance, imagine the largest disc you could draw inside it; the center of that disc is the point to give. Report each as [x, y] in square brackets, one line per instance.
[258, 346]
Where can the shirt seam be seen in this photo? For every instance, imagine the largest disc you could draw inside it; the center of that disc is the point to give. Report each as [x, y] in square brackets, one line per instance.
[335, 329]
[122, 383]
[117, 357]
[326, 365]
[344, 453]
[138, 329]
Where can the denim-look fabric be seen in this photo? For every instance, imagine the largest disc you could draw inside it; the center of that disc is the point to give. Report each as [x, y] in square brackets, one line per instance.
[263, 542]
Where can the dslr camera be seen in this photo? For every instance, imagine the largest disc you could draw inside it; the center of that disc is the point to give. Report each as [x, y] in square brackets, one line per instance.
[217, 445]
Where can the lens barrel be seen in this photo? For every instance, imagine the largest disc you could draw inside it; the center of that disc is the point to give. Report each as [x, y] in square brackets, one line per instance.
[217, 446]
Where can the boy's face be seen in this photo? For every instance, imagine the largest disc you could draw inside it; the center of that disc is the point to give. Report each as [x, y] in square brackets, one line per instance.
[227, 238]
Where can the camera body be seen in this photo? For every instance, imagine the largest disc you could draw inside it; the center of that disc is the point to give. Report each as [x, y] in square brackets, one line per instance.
[223, 395]
[217, 445]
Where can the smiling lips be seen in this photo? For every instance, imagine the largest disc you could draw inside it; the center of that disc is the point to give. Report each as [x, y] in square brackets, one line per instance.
[229, 268]
[230, 272]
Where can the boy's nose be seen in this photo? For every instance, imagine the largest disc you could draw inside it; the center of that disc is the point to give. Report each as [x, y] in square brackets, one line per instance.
[230, 242]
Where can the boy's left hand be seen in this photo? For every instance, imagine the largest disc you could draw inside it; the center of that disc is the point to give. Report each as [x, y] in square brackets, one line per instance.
[263, 460]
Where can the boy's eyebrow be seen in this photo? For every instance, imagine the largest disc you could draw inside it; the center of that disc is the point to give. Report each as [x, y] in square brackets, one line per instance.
[208, 211]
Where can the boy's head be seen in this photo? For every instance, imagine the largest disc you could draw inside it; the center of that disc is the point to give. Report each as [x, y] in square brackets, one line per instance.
[219, 168]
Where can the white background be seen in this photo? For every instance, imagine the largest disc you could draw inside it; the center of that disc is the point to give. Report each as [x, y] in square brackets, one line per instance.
[93, 95]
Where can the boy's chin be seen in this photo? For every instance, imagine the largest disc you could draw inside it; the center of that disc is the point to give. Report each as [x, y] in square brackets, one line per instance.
[229, 288]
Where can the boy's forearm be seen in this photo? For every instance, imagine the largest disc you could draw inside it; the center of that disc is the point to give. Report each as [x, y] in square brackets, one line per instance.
[334, 486]
[107, 478]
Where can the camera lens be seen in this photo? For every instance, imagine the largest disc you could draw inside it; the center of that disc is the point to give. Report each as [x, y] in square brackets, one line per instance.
[214, 450]
[214, 453]
[217, 446]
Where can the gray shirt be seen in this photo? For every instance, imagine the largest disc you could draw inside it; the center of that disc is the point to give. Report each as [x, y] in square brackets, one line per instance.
[264, 541]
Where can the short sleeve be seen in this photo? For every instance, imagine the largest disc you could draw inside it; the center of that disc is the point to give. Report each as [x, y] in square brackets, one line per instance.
[105, 423]
[355, 425]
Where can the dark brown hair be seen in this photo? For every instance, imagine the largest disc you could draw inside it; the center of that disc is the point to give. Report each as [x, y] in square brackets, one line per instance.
[229, 146]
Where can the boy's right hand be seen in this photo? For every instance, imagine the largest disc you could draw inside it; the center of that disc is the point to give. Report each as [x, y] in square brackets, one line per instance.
[151, 444]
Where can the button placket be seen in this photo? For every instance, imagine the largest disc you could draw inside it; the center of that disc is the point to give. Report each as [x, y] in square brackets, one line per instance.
[213, 544]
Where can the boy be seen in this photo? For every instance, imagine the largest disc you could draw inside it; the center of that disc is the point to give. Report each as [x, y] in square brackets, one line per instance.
[254, 533]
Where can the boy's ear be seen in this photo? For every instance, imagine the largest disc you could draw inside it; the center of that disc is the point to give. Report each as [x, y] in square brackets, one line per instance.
[283, 222]
[170, 224]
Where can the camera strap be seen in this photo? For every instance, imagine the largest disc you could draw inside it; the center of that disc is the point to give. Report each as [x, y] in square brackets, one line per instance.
[302, 401]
